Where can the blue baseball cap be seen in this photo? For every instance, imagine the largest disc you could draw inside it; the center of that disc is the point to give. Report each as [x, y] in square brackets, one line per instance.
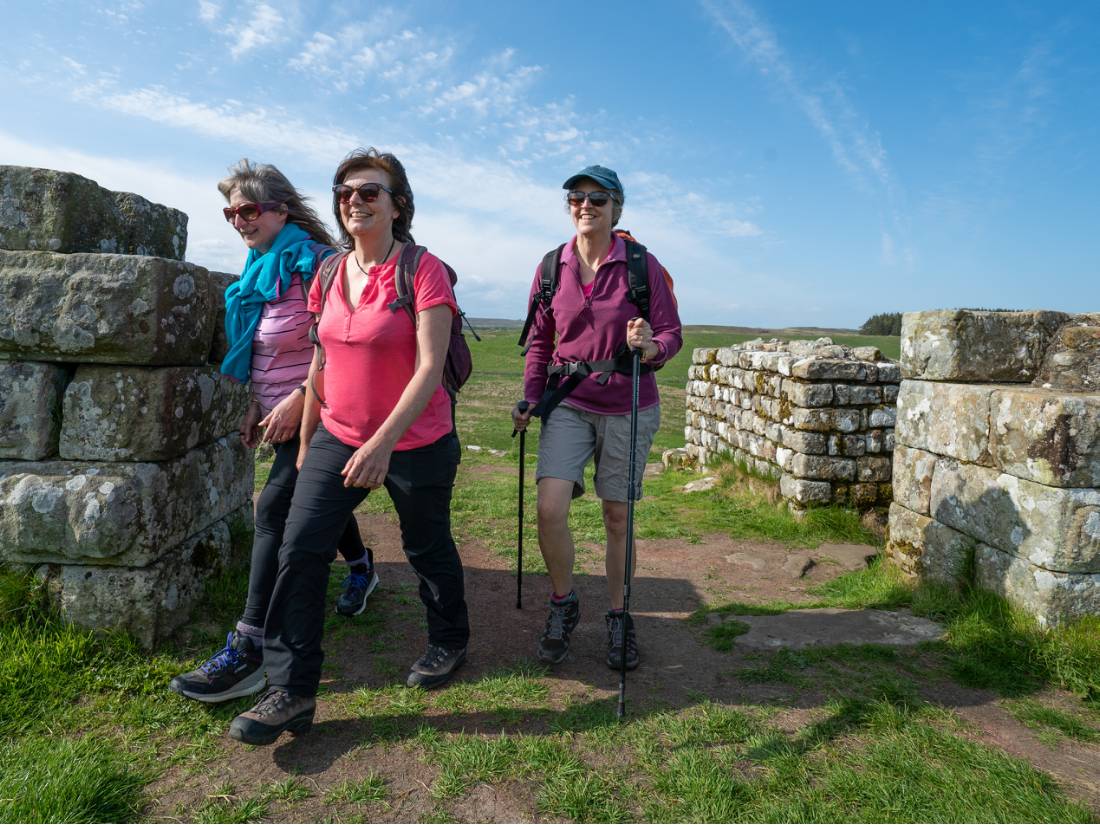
[602, 175]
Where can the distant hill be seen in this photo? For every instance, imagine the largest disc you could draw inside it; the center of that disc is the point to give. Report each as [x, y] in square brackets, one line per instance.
[786, 332]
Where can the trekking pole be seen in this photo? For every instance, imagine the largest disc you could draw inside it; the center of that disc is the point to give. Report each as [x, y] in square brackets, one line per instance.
[635, 370]
[522, 407]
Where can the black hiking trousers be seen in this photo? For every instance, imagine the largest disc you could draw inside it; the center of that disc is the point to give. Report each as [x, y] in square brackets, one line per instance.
[272, 508]
[420, 483]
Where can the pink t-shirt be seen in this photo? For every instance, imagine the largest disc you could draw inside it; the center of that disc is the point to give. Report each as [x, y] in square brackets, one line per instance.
[281, 349]
[370, 354]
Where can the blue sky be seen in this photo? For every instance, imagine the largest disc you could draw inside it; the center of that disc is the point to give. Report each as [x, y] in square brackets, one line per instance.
[791, 163]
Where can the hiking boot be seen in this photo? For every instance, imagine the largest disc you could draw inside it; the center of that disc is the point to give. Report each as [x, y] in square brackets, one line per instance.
[234, 671]
[435, 667]
[357, 586]
[276, 711]
[615, 641]
[563, 618]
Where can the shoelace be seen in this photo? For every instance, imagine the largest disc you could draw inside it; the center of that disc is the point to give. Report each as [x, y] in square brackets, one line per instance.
[225, 657]
[434, 656]
[271, 702]
[615, 630]
[357, 580]
[555, 622]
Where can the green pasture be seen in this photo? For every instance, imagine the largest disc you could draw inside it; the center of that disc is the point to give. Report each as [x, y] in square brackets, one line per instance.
[88, 728]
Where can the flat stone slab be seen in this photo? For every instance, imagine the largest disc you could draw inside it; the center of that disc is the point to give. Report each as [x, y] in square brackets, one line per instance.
[106, 309]
[219, 282]
[51, 211]
[30, 409]
[827, 627]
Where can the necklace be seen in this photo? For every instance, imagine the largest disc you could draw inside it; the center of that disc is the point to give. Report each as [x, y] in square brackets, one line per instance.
[385, 257]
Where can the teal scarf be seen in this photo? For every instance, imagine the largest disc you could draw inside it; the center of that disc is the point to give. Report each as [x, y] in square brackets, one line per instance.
[266, 276]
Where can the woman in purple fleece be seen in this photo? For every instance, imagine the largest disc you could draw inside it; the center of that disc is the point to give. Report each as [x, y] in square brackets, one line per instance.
[586, 329]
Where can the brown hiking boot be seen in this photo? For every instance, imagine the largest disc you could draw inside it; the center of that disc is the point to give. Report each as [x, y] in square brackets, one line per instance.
[276, 711]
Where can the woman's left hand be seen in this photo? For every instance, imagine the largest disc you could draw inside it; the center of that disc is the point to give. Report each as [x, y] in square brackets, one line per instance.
[281, 424]
[368, 466]
[639, 335]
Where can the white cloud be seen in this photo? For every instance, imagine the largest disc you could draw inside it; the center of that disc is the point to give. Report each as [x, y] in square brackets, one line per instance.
[209, 11]
[264, 27]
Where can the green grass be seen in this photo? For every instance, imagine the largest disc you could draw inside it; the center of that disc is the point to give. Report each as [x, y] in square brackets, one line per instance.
[86, 723]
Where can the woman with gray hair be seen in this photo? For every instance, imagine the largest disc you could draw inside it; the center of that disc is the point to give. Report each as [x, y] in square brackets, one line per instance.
[267, 324]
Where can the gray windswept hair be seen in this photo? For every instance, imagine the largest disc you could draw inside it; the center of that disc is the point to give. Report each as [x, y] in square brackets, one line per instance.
[263, 182]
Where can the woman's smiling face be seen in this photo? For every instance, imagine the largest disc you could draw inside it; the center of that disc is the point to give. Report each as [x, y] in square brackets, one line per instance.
[588, 218]
[359, 216]
[260, 233]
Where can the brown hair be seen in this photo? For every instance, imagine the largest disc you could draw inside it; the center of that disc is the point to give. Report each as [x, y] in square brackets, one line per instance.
[402, 193]
[263, 182]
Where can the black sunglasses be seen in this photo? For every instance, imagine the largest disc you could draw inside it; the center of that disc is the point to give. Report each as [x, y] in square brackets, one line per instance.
[597, 198]
[368, 192]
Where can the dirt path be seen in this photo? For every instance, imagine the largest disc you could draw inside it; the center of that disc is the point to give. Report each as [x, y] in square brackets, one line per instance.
[679, 670]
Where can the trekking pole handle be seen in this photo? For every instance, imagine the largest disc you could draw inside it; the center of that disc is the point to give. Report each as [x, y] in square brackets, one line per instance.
[522, 406]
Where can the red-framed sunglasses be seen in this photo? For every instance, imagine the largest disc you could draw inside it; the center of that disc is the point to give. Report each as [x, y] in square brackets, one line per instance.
[249, 211]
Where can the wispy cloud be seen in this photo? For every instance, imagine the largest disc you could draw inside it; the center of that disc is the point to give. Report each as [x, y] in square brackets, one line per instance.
[252, 26]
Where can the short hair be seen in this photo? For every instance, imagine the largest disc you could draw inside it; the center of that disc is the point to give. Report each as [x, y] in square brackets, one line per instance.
[261, 182]
[371, 158]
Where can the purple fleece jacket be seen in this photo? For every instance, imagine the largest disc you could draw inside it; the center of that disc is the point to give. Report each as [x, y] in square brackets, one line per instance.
[594, 328]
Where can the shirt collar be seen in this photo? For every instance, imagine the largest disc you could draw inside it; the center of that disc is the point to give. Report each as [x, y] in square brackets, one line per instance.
[617, 253]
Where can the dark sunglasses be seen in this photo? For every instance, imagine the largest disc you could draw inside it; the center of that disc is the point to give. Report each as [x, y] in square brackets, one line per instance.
[249, 211]
[577, 198]
[368, 192]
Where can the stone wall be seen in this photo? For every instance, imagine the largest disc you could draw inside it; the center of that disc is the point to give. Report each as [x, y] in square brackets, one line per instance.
[997, 465]
[817, 416]
[122, 481]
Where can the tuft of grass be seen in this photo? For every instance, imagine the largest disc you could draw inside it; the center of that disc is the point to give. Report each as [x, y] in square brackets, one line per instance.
[63, 780]
[371, 788]
[464, 760]
[1038, 716]
[289, 790]
[511, 688]
[232, 811]
[721, 636]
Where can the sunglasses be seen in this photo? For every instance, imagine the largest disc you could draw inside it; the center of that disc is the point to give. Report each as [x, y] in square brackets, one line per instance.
[597, 199]
[249, 211]
[368, 192]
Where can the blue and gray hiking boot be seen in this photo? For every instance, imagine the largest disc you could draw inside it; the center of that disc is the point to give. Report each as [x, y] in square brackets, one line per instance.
[562, 621]
[235, 670]
[357, 586]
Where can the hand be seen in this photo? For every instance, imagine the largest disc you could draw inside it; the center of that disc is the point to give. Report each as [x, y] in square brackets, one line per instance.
[369, 465]
[281, 424]
[521, 414]
[639, 335]
[250, 434]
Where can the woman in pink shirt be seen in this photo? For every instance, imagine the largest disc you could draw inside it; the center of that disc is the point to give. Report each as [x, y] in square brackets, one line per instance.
[382, 419]
[267, 325]
[579, 340]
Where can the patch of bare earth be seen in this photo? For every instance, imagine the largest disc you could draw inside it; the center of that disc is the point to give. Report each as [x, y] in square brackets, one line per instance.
[673, 579]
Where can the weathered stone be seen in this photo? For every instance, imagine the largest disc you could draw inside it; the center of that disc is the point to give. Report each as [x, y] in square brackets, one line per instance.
[30, 409]
[51, 211]
[1052, 527]
[1047, 436]
[219, 282]
[804, 491]
[147, 413]
[834, 369]
[804, 394]
[847, 445]
[803, 442]
[120, 513]
[873, 468]
[862, 495]
[1051, 597]
[675, 459]
[1072, 360]
[825, 468]
[974, 345]
[867, 353]
[825, 420]
[923, 547]
[703, 355]
[150, 602]
[829, 627]
[882, 416]
[888, 372]
[947, 419]
[912, 478]
[114, 309]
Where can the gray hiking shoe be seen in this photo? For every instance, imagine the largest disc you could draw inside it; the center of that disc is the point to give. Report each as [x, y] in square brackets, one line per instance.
[234, 671]
[357, 587]
[615, 622]
[276, 712]
[563, 618]
[435, 667]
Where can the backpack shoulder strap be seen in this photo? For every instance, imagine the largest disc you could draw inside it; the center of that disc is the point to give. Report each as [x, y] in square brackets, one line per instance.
[549, 278]
[637, 268]
[407, 264]
[326, 272]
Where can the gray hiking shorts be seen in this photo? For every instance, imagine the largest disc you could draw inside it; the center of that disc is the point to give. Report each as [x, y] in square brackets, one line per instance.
[570, 437]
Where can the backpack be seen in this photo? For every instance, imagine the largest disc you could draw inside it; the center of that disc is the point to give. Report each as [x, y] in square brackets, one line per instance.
[459, 362]
[637, 280]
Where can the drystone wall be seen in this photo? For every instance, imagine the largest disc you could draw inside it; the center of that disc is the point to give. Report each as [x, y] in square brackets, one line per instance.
[120, 483]
[997, 464]
[817, 416]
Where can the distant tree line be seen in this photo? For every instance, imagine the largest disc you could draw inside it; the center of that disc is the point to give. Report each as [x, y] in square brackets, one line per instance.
[885, 323]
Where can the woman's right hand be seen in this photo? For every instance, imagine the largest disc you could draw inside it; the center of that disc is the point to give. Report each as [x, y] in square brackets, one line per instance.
[250, 426]
[520, 417]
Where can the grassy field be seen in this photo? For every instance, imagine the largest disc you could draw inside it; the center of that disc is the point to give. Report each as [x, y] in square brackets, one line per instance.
[88, 730]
